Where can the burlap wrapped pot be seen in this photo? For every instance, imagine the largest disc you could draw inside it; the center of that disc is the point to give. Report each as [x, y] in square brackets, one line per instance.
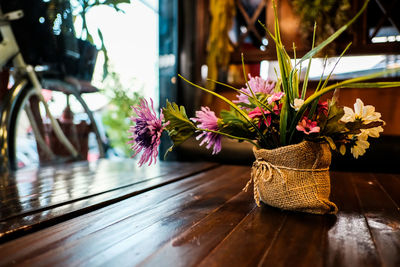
[294, 177]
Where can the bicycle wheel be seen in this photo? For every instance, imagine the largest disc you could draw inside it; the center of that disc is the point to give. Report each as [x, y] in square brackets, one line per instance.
[31, 139]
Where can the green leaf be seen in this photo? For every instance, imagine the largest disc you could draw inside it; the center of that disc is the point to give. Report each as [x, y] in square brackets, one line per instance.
[180, 128]
[233, 123]
[332, 124]
[372, 85]
[283, 120]
[305, 82]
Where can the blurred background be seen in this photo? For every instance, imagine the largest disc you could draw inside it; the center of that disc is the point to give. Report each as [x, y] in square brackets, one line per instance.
[143, 44]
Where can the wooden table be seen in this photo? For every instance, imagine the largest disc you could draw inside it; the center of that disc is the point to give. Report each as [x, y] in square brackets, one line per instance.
[188, 214]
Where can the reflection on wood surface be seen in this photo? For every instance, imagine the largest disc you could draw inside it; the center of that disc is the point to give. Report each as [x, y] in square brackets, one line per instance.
[189, 214]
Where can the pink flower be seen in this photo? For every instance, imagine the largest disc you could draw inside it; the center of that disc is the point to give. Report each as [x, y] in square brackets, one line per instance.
[277, 109]
[258, 85]
[275, 97]
[207, 120]
[146, 132]
[257, 113]
[307, 126]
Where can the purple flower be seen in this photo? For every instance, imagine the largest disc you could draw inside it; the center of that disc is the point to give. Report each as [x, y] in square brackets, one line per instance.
[146, 132]
[207, 120]
[258, 85]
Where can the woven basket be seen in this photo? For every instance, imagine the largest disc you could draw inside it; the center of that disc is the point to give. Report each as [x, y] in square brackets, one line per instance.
[294, 177]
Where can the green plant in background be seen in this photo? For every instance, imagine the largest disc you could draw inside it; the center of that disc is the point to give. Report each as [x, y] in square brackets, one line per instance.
[115, 118]
[329, 15]
[82, 7]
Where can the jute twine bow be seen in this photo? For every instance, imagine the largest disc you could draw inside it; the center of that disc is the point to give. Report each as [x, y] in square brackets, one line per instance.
[259, 169]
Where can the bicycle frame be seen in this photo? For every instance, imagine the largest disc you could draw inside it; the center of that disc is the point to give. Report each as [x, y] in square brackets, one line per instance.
[9, 50]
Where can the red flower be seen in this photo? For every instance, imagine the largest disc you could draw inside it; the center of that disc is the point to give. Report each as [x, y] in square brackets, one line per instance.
[307, 126]
[257, 113]
[322, 107]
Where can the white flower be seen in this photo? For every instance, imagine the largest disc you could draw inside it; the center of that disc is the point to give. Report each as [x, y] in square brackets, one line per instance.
[360, 146]
[297, 103]
[373, 132]
[366, 114]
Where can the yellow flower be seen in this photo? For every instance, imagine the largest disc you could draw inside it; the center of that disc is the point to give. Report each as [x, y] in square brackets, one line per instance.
[366, 114]
[361, 145]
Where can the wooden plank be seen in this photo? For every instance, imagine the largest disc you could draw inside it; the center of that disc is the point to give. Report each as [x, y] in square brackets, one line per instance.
[347, 239]
[153, 223]
[383, 217]
[102, 218]
[205, 219]
[51, 213]
[349, 242]
[325, 240]
[67, 182]
[298, 243]
[391, 185]
[159, 235]
[79, 183]
[192, 245]
[249, 240]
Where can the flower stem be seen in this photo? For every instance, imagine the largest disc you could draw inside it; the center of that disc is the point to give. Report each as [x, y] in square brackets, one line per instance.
[230, 136]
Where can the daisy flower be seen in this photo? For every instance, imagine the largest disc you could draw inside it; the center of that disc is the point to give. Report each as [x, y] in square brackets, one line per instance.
[206, 119]
[366, 114]
[146, 132]
[360, 146]
[373, 132]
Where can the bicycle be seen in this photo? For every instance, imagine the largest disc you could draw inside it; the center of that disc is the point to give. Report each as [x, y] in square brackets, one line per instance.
[24, 99]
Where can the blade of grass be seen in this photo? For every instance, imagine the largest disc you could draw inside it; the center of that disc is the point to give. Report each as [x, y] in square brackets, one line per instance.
[296, 80]
[334, 67]
[315, 103]
[305, 82]
[285, 66]
[283, 121]
[372, 85]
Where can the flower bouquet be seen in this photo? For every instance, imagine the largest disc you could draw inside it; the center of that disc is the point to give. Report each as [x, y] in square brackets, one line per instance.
[292, 134]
